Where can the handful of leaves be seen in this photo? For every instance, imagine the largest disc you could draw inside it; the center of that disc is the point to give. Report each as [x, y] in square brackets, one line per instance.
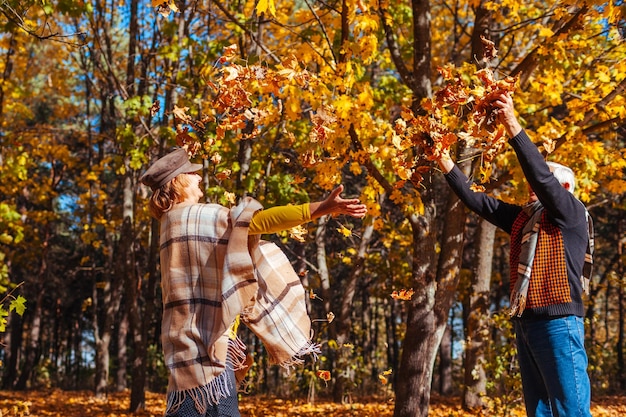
[461, 110]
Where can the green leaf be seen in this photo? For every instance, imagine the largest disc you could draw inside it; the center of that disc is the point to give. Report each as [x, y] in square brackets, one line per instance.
[19, 305]
[3, 321]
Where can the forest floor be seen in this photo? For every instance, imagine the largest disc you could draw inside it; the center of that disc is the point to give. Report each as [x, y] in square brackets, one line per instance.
[82, 403]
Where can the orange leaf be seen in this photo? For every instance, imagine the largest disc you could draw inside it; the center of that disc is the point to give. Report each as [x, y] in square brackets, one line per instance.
[324, 375]
[403, 294]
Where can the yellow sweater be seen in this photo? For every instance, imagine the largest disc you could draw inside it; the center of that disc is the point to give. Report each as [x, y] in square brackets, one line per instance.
[279, 218]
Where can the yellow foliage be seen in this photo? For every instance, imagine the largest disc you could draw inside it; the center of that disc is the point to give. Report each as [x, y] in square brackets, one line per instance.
[266, 6]
[80, 403]
[343, 106]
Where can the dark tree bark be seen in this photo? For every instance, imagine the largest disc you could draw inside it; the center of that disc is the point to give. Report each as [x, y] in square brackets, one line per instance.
[343, 324]
[477, 319]
[445, 362]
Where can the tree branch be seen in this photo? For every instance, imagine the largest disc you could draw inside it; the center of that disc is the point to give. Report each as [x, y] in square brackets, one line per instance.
[529, 63]
[246, 31]
[396, 56]
[371, 168]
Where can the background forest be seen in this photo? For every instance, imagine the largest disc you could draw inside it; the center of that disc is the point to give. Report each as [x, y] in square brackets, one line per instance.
[281, 101]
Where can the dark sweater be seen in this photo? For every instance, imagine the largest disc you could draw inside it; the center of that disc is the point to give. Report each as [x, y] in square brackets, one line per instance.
[564, 222]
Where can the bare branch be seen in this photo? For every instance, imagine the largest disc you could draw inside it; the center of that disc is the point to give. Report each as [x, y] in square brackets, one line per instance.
[246, 31]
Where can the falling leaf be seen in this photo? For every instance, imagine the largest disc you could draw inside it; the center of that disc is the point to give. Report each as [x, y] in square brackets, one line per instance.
[156, 107]
[324, 375]
[403, 294]
[216, 158]
[314, 296]
[230, 197]
[330, 317]
[230, 73]
[181, 113]
[490, 51]
[298, 233]
[344, 231]
[225, 174]
[477, 188]
[549, 145]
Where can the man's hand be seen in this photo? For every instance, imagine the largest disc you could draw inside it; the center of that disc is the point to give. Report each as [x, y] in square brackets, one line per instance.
[334, 204]
[445, 162]
[506, 114]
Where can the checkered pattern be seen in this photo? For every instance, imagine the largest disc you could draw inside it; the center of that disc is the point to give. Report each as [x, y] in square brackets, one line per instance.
[549, 283]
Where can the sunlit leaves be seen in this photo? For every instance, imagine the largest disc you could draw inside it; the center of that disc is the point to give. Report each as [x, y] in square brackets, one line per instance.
[266, 6]
[403, 294]
[77, 403]
[344, 231]
[462, 108]
[384, 377]
[8, 304]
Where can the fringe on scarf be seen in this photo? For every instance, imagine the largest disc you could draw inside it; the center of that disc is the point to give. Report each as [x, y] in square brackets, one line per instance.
[311, 348]
[220, 387]
[203, 396]
[518, 304]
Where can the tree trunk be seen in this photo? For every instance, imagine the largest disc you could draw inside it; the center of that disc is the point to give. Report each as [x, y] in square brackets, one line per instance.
[121, 374]
[429, 310]
[477, 320]
[344, 322]
[14, 342]
[132, 285]
[6, 74]
[104, 320]
[32, 353]
[445, 362]
[423, 330]
[322, 269]
[621, 305]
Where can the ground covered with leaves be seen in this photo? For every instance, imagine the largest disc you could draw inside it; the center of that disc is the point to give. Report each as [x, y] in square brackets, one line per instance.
[82, 403]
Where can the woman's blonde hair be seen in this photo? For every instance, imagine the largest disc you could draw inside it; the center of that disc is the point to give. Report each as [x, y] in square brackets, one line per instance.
[169, 194]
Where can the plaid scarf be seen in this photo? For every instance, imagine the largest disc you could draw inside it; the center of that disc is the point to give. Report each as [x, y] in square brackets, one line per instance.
[212, 271]
[588, 266]
[530, 234]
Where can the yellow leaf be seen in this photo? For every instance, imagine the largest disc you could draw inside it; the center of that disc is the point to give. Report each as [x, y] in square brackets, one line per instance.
[298, 233]
[265, 5]
[343, 107]
[344, 231]
[545, 32]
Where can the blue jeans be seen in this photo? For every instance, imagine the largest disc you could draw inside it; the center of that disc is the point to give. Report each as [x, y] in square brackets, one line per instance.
[553, 364]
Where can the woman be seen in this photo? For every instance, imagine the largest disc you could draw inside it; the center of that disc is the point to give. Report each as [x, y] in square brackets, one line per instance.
[215, 268]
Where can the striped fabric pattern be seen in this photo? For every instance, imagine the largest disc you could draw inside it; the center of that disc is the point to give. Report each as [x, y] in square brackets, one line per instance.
[212, 271]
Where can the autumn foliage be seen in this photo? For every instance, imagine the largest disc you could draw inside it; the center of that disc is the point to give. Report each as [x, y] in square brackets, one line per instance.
[281, 101]
[81, 403]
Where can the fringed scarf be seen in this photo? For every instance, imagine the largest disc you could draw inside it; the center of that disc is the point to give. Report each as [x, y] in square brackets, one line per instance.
[530, 234]
[212, 271]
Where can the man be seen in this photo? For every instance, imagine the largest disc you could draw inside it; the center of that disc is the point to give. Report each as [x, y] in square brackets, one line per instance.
[551, 246]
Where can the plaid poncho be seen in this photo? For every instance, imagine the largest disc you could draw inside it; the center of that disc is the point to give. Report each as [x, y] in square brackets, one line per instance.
[211, 272]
